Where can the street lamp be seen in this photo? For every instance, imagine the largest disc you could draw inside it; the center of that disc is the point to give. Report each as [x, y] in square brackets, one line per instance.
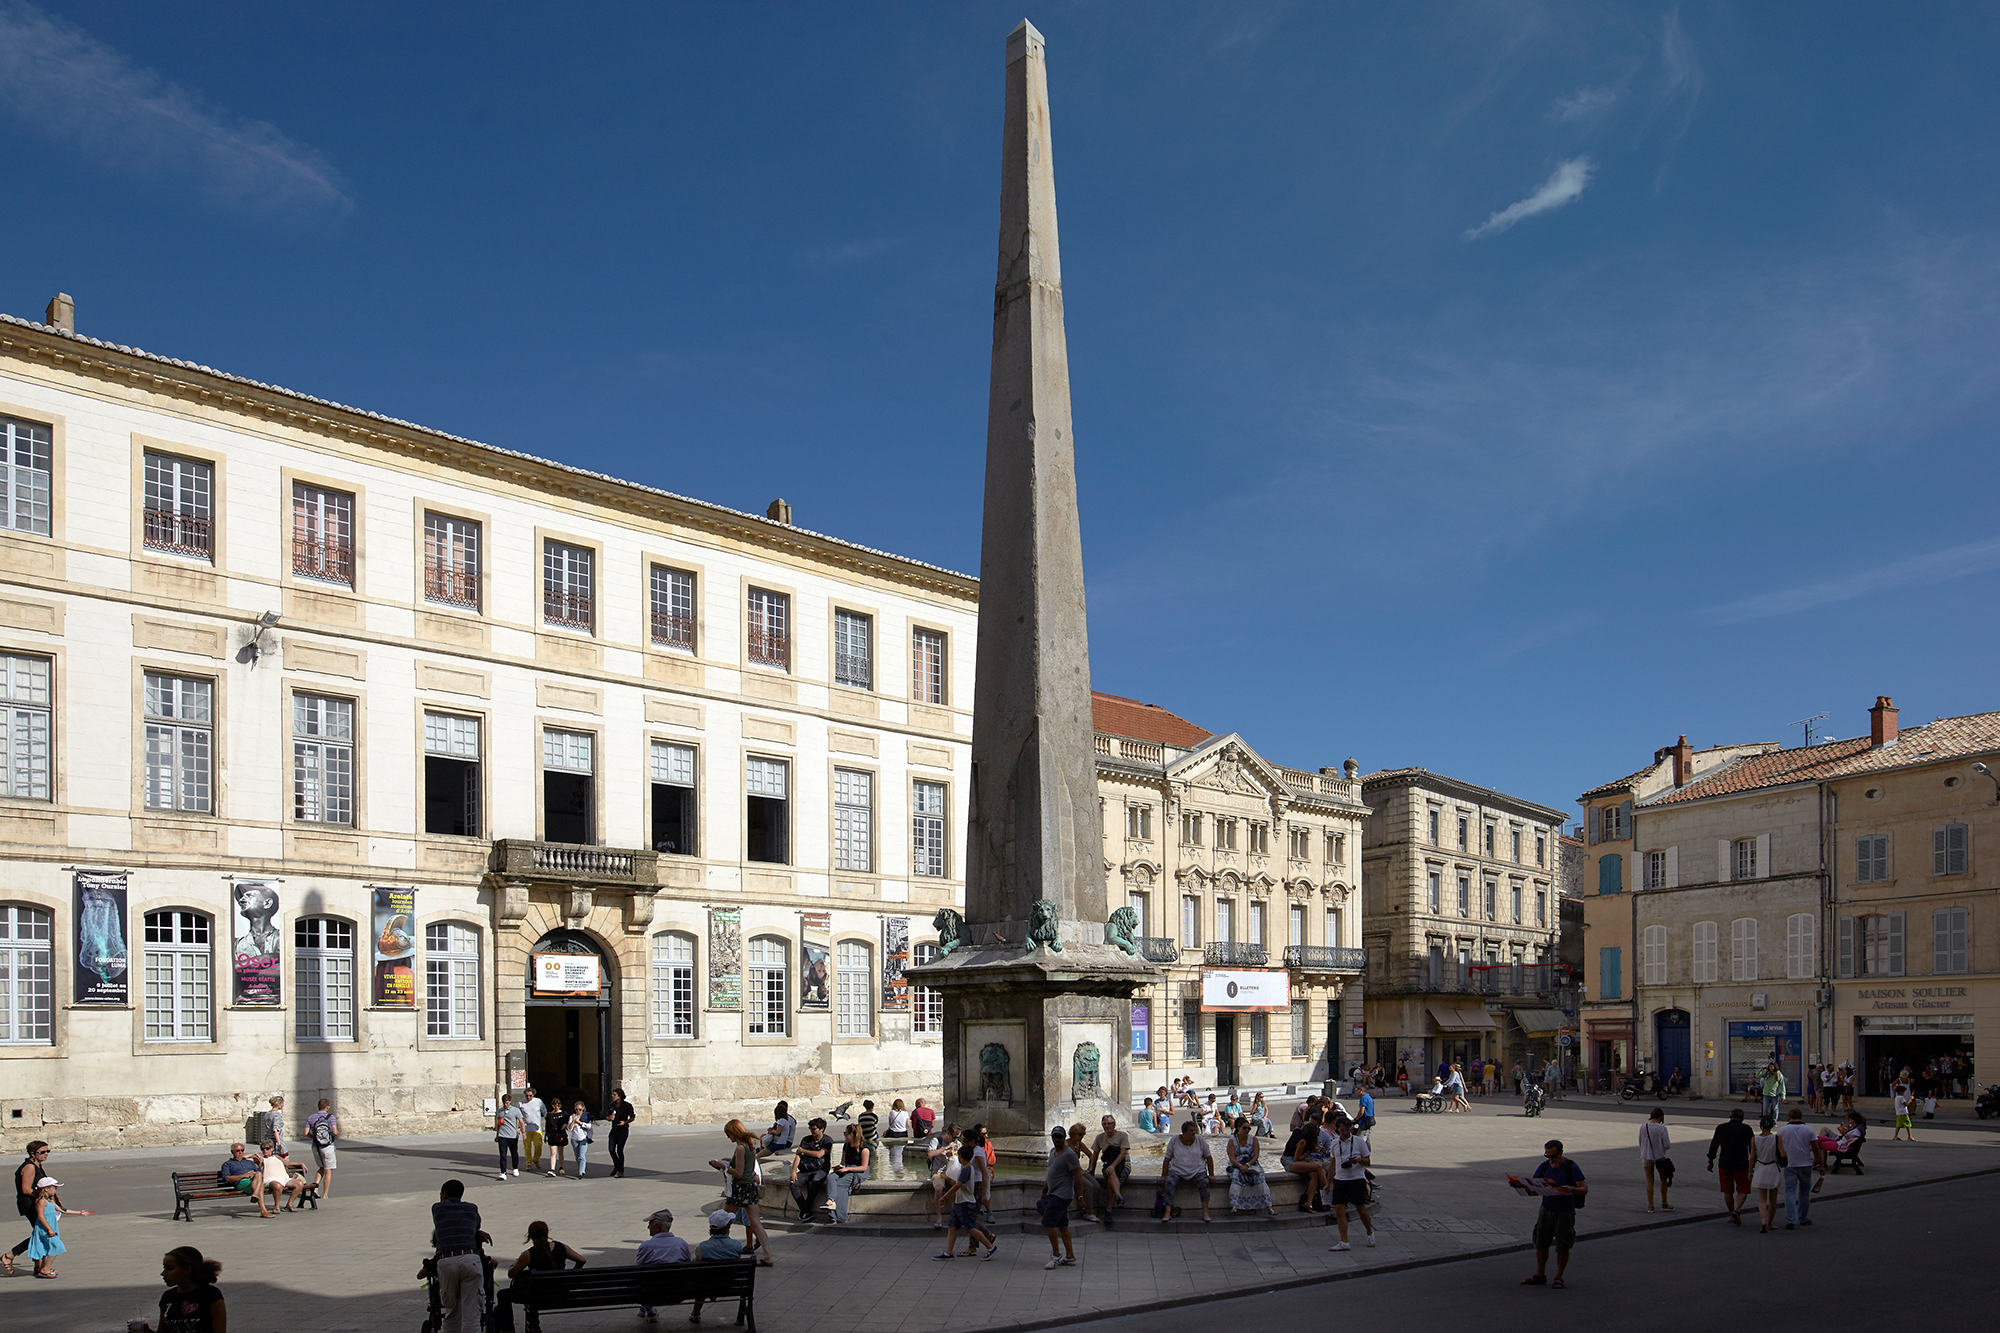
[1984, 771]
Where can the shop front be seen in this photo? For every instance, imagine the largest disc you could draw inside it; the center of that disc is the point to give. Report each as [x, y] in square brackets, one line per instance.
[1904, 1026]
[1462, 1034]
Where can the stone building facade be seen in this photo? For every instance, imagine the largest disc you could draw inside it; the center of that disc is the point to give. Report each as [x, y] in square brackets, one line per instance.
[1462, 919]
[346, 757]
[1232, 864]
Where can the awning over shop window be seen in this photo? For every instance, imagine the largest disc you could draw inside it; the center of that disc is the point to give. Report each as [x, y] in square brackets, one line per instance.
[1540, 1022]
[1610, 1031]
[1451, 1018]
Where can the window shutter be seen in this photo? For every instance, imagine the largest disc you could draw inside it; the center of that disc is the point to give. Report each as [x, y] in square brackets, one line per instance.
[1847, 946]
[1673, 867]
[1725, 861]
[1937, 851]
[1596, 825]
[1625, 819]
[1896, 944]
[1763, 856]
[1955, 860]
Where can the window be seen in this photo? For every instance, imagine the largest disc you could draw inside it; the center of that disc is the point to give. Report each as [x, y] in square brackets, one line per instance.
[1653, 956]
[178, 979]
[1514, 904]
[1225, 834]
[927, 666]
[1610, 873]
[1301, 1034]
[451, 775]
[451, 981]
[1191, 830]
[1514, 837]
[1434, 890]
[853, 655]
[767, 818]
[1541, 849]
[1260, 1035]
[180, 743]
[1612, 823]
[1492, 892]
[323, 968]
[322, 534]
[1541, 907]
[766, 1001]
[673, 609]
[1191, 1029]
[567, 583]
[854, 994]
[1871, 859]
[770, 616]
[179, 515]
[1435, 814]
[1948, 850]
[27, 977]
[24, 727]
[1464, 896]
[1260, 839]
[1336, 849]
[673, 798]
[1489, 839]
[673, 986]
[451, 561]
[1464, 832]
[1610, 984]
[1139, 823]
[1333, 927]
[1190, 922]
[1705, 961]
[1297, 927]
[1743, 949]
[1801, 945]
[567, 779]
[1257, 924]
[853, 818]
[26, 451]
[927, 829]
[927, 1005]
[1225, 920]
[1949, 935]
[1743, 858]
[322, 759]
[1655, 870]
[1880, 941]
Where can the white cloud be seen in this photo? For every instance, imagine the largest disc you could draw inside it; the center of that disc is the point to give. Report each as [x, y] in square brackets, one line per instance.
[73, 89]
[1564, 186]
[1933, 567]
[1584, 103]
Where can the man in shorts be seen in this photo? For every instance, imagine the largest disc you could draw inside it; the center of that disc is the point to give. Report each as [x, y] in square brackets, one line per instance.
[1111, 1157]
[322, 1129]
[1350, 1180]
[1065, 1182]
[1729, 1157]
[239, 1170]
[1555, 1223]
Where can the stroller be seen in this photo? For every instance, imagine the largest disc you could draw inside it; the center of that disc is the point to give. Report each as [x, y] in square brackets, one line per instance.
[434, 1320]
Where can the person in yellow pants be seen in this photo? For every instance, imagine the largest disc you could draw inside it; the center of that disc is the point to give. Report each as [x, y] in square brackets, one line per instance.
[534, 1113]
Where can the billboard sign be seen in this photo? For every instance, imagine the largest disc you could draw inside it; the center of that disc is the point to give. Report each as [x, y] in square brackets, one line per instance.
[1246, 990]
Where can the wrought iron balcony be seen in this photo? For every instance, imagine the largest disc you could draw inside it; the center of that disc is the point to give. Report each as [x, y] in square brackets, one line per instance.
[1225, 953]
[570, 863]
[1325, 958]
[1421, 975]
[1158, 949]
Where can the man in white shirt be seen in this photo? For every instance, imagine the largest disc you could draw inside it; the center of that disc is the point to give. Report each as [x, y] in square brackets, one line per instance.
[1800, 1148]
[1187, 1159]
[1350, 1179]
[533, 1112]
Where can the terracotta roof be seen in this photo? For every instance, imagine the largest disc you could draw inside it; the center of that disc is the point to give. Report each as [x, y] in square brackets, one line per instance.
[1946, 738]
[1622, 784]
[1116, 715]
[1388, 773]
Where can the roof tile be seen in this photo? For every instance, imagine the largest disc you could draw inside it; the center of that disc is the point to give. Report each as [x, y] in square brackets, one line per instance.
[1116, 715]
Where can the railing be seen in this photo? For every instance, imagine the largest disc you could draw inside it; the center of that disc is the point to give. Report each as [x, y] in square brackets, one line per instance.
[1325, 958]
[769, 648]
[182, 534]
[1422, 975]
[571, 610]
[1319, 784]
[1225, 953]
[322, 558]
[1158, 949]
[674, 631]
[853, 670]
[1123, 747]
[1103, 742]
[453, 585]
[523, 859]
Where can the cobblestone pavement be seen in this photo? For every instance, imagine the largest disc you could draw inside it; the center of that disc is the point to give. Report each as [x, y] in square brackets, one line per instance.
[352, 1264]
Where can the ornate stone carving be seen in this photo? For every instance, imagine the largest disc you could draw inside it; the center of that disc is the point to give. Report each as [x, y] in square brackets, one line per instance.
[995, 1084]
[1119, 930]
[1044, 927]
[577, 904]
[1083, 1073]
[950, 927]
[512, 900]
[639, 911]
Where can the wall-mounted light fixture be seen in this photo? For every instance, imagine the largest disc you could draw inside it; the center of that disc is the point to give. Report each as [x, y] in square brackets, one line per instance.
[1983, 769]
[255, 648]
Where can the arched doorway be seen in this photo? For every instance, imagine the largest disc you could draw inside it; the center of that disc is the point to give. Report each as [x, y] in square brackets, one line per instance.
[569, 985]
[1673, 1039]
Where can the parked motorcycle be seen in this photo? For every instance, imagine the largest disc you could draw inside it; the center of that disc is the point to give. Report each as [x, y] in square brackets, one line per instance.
[1988, 1102]
[1631, 1087]
[1536, 1099]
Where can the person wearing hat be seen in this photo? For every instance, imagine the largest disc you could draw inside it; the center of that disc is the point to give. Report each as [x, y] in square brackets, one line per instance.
[45, 1243]
[719, 1248]
[662, 1246]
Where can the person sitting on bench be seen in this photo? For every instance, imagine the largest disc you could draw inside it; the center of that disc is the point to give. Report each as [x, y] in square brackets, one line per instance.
[278, 1179]
[239, 1170]
[662, 1246]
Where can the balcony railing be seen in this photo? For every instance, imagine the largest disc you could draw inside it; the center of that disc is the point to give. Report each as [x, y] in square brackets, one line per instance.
[1159, 949]
[1420, 975]
[673, 631]
[854, 670]
[1325, 958]
[1124, 747]
[522, 859]
[1319, 784]
[453, 585]
[1225, 953]
[183, 534]
[770, 648]
[571, 610]
[322, 558]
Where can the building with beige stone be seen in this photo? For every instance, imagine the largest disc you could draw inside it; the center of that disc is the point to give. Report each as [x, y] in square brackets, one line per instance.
[349, 757]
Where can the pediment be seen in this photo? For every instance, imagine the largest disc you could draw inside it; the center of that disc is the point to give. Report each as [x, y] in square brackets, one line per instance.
[1226, 764]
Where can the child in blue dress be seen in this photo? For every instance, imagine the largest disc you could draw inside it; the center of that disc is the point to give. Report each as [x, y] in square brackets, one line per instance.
[45, 1242]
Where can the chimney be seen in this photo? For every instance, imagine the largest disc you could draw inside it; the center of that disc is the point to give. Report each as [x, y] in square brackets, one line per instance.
[1882, 722]
[61, 313]
[780, 512]
[1683, 762]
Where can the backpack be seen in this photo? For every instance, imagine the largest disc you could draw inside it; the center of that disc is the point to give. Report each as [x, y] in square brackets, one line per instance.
[322, 1131]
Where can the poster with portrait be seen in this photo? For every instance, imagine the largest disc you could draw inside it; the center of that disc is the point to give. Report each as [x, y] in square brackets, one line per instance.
[725, 958]
[395, 949]
[895, 957]
[101, 953]
[815, 963]
[253, 920]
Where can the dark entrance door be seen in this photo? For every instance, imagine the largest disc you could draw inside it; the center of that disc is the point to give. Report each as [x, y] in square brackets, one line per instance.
[569, 1031]
[1672, 1038]
[1225, 1050]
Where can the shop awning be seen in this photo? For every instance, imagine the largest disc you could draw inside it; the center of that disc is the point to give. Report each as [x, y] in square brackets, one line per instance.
[1451, 1018]
[1540, 1022]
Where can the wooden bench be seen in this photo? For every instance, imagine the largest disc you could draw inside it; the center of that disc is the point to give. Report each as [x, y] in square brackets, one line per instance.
[190, 1186]
[639, 1284]
[1852, 1157]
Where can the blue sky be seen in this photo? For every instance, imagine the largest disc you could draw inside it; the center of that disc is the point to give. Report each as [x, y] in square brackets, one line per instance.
[1501, 388]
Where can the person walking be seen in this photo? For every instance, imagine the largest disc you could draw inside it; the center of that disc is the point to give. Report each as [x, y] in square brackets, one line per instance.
[965, 1192]
[1772, 1085]
[1729, 1151]
[460, 1272]
[1555, 1223]
[1403, 1077]
[1799, 1150]
[849, 1171]
[508, 1127]
[622, 1116]
[534, 1114]
[192, 1303]
[1454, 1087]
[1351, 1156]
[741, 1179]
[1060, 1188]
[1769, 1174]
[1249, 1191]
[271, 1123]
[1900, 1100]
[323, 1132]
[31, 1169]
[1654, 1145]
[45, 1237]
[582, 1129]
[897, 1136]
[557, 1133]
[1187, 1160]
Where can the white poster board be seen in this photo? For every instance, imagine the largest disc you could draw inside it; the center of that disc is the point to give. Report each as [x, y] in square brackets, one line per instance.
[1246, 990]
[566, 974]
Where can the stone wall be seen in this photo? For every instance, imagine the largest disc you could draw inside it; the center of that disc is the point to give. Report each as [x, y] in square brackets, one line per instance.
[171, 1120]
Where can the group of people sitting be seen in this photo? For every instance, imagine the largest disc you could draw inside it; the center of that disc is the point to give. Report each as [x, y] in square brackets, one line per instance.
[1157, 1115]
[267, 1171]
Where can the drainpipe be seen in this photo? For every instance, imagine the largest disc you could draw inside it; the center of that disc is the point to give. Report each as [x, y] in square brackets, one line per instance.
[1633, 957]
[1827, 918]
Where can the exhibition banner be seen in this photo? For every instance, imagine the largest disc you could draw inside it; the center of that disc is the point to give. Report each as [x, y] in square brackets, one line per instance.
[815, 970]
[395, 980]
[725, 958]
[571, 975]
[895, 957]
[101, 954]
[1246, 990]
[253, 913]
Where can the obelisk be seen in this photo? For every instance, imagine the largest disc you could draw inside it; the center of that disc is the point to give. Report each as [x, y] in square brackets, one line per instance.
[1036, 1002]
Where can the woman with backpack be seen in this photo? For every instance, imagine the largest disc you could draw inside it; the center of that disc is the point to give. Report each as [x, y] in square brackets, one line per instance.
[581, 1131]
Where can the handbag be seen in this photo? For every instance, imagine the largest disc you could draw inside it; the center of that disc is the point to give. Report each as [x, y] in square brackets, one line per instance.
[1665, 1166]
[1161, 1202]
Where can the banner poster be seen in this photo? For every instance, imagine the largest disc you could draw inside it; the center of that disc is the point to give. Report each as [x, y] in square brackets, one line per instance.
[395, 984]
[725, 958]
[101, 955]
[815, 972]
[1142, 1031]
[895, 957]
[253, 915]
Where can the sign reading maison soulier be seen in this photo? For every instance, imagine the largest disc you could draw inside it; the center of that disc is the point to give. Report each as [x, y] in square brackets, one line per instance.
[1912, 997]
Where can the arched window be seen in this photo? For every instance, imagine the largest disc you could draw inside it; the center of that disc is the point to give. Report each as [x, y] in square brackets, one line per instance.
[856, 993]
[1705, 941]
[1743, 949]
[451, 981]
[27, 972]
[926, 1005]
[768, 1002]
[1801, 945]
[1653, 956]
[179, 978]
[673, 985]
[323, 968]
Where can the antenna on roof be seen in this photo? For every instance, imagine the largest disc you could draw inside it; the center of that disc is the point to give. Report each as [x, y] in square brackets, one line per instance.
[1807, 722]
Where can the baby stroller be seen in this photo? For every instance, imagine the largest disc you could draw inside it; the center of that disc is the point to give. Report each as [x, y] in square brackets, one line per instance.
[434, 1319]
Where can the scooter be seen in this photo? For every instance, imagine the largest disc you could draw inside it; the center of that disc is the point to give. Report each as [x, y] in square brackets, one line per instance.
[1988, 1102]
[1632, 1086]
[1536, 1099]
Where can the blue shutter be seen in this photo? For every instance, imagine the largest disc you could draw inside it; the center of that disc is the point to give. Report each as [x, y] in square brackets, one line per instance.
[1610, 873]
[1610, 984]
